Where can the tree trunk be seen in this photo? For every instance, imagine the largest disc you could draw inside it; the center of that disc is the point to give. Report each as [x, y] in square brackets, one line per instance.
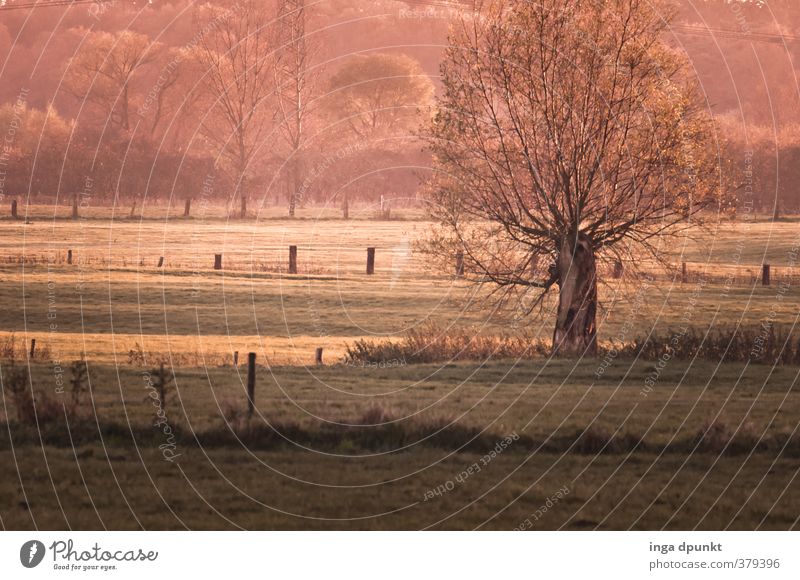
[243, 196]
[125, 116]
[575, 332]
[293, 184]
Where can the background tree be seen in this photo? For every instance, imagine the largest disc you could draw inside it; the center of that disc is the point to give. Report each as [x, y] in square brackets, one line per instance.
[375, 101]
[165, 101]
[296, 87]
[379, 93]
[567, 133]
[105, 67]
[236, 54]
[33, 155]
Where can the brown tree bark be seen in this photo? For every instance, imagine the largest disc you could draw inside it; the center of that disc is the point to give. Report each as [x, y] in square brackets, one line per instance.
[576, 331]
[293, 186]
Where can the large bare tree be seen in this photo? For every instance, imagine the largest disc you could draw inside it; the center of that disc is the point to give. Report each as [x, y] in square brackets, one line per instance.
[236, 55]
[568, 134]
[296, 86]
[104, 69]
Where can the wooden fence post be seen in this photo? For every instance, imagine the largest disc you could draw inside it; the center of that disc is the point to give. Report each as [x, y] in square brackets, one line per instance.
[69, 257]
[318, 357]
[236, 358]
[251, 383]
[293, 259]
[370, 261]
[75, 207]
[460, 264]
[244, 207]
[14, 208]
[218, 261]
[346, 207]
[33, 347]
[684, 273]
[766, 275]
[619, 270]
[161, 262]
[187, 208]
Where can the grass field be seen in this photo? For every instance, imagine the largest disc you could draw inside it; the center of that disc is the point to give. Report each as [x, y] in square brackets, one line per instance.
[670, 479]
[705, 445]
[114, 296]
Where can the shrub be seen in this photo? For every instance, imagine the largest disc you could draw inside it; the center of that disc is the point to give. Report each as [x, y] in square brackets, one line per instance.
[8, 347]
[596, 439]
[377, 415]
[236, 416]
[433, 344]
[159, 381]
[719, 437]
[31, 409]
[16, 384]
[12, 350]
[78, 383]
[768, 345]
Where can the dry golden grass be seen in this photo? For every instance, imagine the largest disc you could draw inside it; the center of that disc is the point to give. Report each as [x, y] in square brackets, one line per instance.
[603, 435]
[114, 296]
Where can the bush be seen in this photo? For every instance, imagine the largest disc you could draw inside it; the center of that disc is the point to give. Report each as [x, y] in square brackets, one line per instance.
[719, 437]
[31, 409]
[596, 439]
[12, 350]
[377, 415]
[39, 408]
[433, 344]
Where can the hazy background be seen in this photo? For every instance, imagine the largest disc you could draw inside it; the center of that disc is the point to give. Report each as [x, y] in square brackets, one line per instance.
[68, 132]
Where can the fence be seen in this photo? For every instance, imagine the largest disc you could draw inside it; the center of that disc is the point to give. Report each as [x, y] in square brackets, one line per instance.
[307, 261]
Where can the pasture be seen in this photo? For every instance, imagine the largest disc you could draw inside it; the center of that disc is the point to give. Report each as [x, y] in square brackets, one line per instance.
[114, 296]
[680, 457]
[706, 445]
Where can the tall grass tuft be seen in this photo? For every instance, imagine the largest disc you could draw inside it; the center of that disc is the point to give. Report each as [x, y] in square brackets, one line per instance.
[719, 437]
[138, 357]
[13, 349]
[433, 344]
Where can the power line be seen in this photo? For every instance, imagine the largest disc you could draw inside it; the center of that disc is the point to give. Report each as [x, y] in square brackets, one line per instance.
[50, 4]
[734, 34]
[681, 29]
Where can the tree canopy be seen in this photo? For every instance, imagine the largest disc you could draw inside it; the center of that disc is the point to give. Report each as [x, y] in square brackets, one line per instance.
[568, 132]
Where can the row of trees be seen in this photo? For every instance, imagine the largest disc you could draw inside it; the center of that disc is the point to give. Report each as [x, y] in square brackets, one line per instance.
[248, 98]
[49, 154]
[765, 163]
